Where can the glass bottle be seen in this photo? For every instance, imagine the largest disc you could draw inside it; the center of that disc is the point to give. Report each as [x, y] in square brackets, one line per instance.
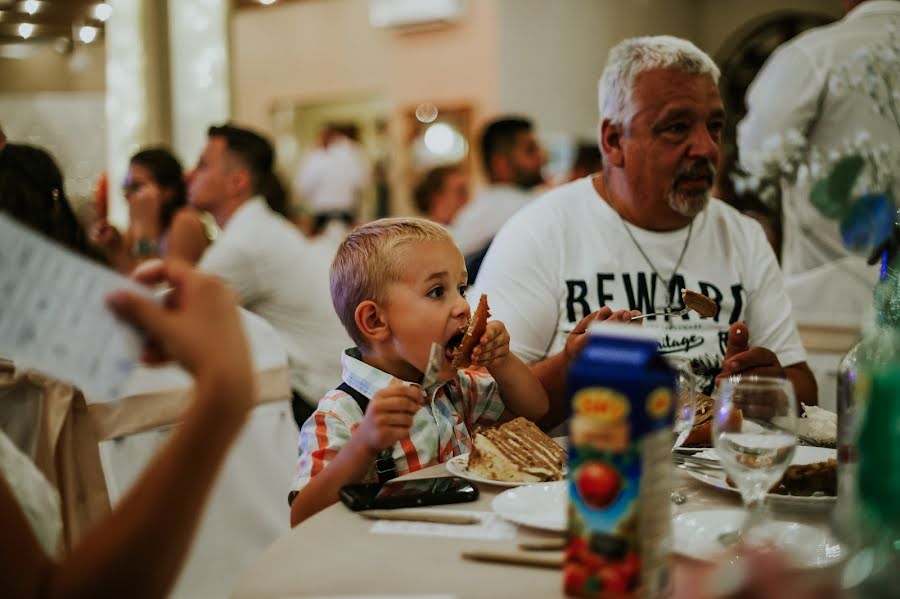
[874, 570]
[844, 512]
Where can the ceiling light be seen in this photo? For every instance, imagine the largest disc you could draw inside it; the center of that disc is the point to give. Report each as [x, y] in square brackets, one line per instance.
[25, 30]
[87, 34]
[31, 6]
[102, 11]
[267, 2]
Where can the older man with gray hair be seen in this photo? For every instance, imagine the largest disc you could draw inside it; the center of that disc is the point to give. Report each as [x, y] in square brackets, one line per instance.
[631, 238]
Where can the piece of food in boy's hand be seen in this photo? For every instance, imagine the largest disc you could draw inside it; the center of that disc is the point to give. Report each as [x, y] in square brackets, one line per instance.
[462, 353]
[699, 303]
[517, 451]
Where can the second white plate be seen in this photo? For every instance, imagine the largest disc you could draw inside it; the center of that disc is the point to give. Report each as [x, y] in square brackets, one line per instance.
[803, 455]
[695, 534]
[542, 505]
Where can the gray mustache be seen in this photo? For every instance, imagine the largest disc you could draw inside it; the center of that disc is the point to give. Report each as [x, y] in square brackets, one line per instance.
[705, 169]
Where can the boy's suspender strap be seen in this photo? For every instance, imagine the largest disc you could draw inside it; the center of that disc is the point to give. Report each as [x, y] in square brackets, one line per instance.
[384, 464]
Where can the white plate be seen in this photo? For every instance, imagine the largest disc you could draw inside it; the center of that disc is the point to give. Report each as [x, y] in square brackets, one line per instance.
[695, 534]
[459, 466]
[542, 505]
[803, 455]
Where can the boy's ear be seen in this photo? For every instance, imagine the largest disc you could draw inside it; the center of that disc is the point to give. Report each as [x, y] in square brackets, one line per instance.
[611, 143]
[370, 321]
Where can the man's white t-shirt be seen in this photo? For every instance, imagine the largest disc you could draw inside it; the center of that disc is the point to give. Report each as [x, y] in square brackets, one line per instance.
[568, 254]
[280, 276]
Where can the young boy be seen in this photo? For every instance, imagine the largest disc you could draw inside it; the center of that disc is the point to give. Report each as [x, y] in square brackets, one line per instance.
[398, 285]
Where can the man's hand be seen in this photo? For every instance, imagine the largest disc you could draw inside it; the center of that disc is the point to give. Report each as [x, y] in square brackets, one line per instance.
[741, 359]
[756, 360]
[493, 348]
[389, 415]
[577, 339]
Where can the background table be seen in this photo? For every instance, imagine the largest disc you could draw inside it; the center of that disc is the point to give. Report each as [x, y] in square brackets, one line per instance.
[333, 553]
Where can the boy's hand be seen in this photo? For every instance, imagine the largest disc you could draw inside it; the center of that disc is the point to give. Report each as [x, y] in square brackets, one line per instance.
[493, 348]
[390, 414]
[577, 339]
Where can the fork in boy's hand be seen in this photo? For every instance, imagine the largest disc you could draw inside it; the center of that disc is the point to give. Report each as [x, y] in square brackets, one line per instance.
[435, 360]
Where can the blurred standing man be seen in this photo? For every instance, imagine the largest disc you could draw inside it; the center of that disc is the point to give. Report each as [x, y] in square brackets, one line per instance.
[826, 283]
[512, 160]
[332, 176]
[634, 236]
[274, 270]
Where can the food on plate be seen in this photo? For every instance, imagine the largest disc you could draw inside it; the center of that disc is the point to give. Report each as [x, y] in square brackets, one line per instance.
[701, 433]
[819, 425]
[704, 306]
[804, 480]
[808, 479]
[517, 451]
[462, 347]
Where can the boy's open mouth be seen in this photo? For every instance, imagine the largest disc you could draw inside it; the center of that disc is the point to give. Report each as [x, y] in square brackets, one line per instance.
[452, 344]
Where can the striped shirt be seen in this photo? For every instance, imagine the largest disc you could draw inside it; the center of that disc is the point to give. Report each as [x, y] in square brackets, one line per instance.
[441, 429]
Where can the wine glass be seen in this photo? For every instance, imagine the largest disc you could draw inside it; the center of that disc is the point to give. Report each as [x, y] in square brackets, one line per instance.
[754, 424]
[685, 398]
[684, 411]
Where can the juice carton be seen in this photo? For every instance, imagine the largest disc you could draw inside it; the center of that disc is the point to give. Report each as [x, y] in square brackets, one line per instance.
[620, 434]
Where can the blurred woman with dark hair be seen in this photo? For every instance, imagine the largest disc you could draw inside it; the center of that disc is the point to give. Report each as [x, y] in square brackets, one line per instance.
[161, 223]
[31, 191]
[441, 193]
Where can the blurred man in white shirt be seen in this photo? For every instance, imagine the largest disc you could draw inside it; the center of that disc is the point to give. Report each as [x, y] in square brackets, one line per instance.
[332, 176]
[513, 160]
[275, 272]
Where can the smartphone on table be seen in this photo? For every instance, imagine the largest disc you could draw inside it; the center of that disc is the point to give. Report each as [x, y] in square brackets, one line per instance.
[410, 493]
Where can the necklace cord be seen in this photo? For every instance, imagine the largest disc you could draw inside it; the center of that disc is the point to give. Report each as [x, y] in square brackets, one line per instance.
[665, 282]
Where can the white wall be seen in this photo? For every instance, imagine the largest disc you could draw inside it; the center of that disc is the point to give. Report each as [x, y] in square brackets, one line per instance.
[325, 51]
[552, 53]
[717, 20]
[69, 125]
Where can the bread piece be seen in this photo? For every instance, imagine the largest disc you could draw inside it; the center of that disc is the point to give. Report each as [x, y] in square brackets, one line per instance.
[804, 480]
[462, 355]
[699, 303]
[701, 433]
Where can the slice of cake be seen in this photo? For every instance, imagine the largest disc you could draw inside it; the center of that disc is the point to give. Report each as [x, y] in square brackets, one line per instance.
[517, 451]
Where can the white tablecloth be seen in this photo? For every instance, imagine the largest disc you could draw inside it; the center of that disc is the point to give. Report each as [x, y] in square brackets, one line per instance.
[334, 554]
[248, 508]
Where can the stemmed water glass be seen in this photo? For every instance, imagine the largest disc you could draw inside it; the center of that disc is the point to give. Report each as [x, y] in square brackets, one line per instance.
[754, 424]
[684, 410]
[685, 397]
